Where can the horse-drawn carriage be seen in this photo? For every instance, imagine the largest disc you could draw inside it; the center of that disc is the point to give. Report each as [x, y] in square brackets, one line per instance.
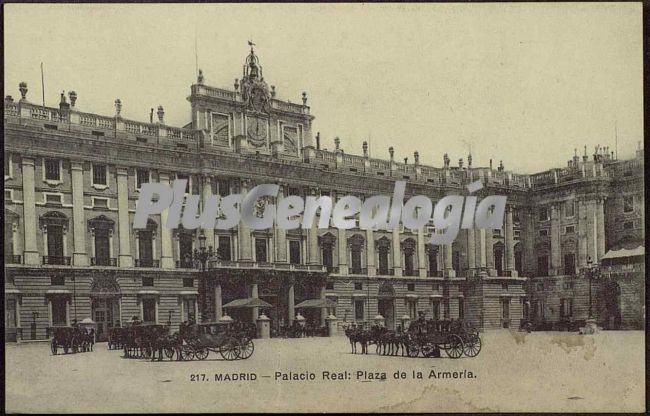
[71, 339]
[116, 336]
[231, 342]
[454, 337]
[144, 340]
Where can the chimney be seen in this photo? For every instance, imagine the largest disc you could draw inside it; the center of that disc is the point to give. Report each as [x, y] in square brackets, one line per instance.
[318, 140]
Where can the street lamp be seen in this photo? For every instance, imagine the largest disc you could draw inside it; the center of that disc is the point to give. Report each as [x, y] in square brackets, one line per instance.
[591, 271]
[33, 329]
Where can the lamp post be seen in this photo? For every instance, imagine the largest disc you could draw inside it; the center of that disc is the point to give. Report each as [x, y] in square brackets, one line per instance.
[203, 255]
[591, 271]
[33, 328]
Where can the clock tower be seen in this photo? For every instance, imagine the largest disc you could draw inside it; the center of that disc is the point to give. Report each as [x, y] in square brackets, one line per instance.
[249, 118]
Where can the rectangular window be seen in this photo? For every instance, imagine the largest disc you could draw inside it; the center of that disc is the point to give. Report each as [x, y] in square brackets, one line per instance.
[358, 310]
[543, 233]
[141, 176]
[149, 310]
[294, 251]
[223, 188]
[358, 286]
[461, 308]
[57, 280]
[570, 229]
[628, 203]
[260, 250]
[188, 282]
[413, 310]
[224, 251]
[435, 306]
[100, 176]
[9, 195]
[569, 209]
[7, 165]
[410, 287]
[55, 199]
[569, 264]
[52, 170]
[100, 202]
[435, 288]
[566, 308]
[147, 281]
[504, 286]
[445, 306]
[59, 312]
[189, 307]
[542, 266]
[543, 214]
[505, 308]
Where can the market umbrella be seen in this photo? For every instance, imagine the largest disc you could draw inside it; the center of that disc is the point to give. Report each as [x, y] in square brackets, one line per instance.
[316, 303]
[248, 303]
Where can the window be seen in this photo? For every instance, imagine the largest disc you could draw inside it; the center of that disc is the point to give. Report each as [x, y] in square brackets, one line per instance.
[149, 310]
[435, 306]
[542, 266]
[504, 286]
[569, 209]
[568, 285]
[433, 261]
[182, 176]
[188, 282]
[8, 167]
[329, 285]
[55, 244]
[189, 307]
[410, 287]
[570, 229]
[9, 194]
[145, 246]
[543, 233]
[59, 311]
[383, 260]
[455, 261]
[224, 251]
[327, 254]
[543, 214]
[540, 286]
[52, 170]
[101, 203]
[413, 310]
[409, 269]
[147, 281]
[54, 199]
[185, 244]
[629, 225]
[461, 308]
[102, 246]
[628, 203]
[100, 176]
[260, 250]
[358, 310]
[223, 188]
[569, 264]
[358, 286]
[294, 251]
[141, 176]
[566, 308]
[356, 257]
[57, 281]
[435, 288]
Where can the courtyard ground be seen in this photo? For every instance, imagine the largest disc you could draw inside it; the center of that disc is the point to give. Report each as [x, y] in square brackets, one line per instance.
[515, 371]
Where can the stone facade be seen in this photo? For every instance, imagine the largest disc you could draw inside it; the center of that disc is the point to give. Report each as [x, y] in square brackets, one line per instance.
[72, 180]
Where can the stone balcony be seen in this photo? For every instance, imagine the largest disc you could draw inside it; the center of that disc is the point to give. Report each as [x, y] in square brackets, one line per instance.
[244, 264]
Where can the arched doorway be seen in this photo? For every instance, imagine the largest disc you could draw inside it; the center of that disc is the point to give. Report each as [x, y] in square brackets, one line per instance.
[386, 304]
[498, 250]
[609, 305]
[105, 304]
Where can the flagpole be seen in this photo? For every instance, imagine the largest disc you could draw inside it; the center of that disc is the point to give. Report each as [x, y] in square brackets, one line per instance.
[43, 84]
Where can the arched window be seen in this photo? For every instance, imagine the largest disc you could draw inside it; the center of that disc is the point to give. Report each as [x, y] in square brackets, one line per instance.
[146, 238]
[432, 256]
[327, 249]
[356, 243]
[55, 226]
[498, 250]
[101, 229]
[408, 247]
[185, 247]
[383, 248]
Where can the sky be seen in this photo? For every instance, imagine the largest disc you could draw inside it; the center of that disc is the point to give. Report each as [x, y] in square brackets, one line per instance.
[525, 83]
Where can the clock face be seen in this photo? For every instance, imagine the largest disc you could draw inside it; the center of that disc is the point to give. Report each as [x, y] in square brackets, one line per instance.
[257, 131]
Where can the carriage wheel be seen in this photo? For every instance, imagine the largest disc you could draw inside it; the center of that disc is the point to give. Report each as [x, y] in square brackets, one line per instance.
[230, 350]
[169, 352]
[472, 346]
[186, 354]
[454, 347]
[146, 352]
[246, 348]
[201, 353]
[413, 350]
[428, 349]
[53, 347]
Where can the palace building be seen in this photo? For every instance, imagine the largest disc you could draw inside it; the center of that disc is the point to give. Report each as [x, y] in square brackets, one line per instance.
[72, 180]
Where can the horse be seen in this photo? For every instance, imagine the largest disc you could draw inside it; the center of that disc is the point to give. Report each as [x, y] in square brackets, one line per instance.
[359, 335]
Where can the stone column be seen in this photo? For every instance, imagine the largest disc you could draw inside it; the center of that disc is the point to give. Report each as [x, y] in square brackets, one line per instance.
[510, 243]
[485, 238]
[397, 252]
[370, 255]
[449, 270]
[29, 213]
[342, 245]
[312, 246]
[600, 228]
[422, 263]
[323, 311]
[291, 302]
[254, 294]
[245, 248]
[166, 257]
[556, 251]
[471, 251]
[280, 235]
[582, 234]
[80, 257]
[218, 302]
[126, 260]
[207, 193]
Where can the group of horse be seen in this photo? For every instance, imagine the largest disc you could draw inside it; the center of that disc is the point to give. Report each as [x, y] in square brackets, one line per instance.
[387, 342]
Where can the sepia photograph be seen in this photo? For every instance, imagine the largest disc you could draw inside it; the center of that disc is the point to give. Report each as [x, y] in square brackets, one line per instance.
[324, 208]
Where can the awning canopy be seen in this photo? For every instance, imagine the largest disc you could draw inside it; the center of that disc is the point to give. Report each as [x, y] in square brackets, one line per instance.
[624, 252]
[248, 303]
[317, 303]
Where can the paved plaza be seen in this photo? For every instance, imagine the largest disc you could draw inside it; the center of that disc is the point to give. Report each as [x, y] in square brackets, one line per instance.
[572, 372]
